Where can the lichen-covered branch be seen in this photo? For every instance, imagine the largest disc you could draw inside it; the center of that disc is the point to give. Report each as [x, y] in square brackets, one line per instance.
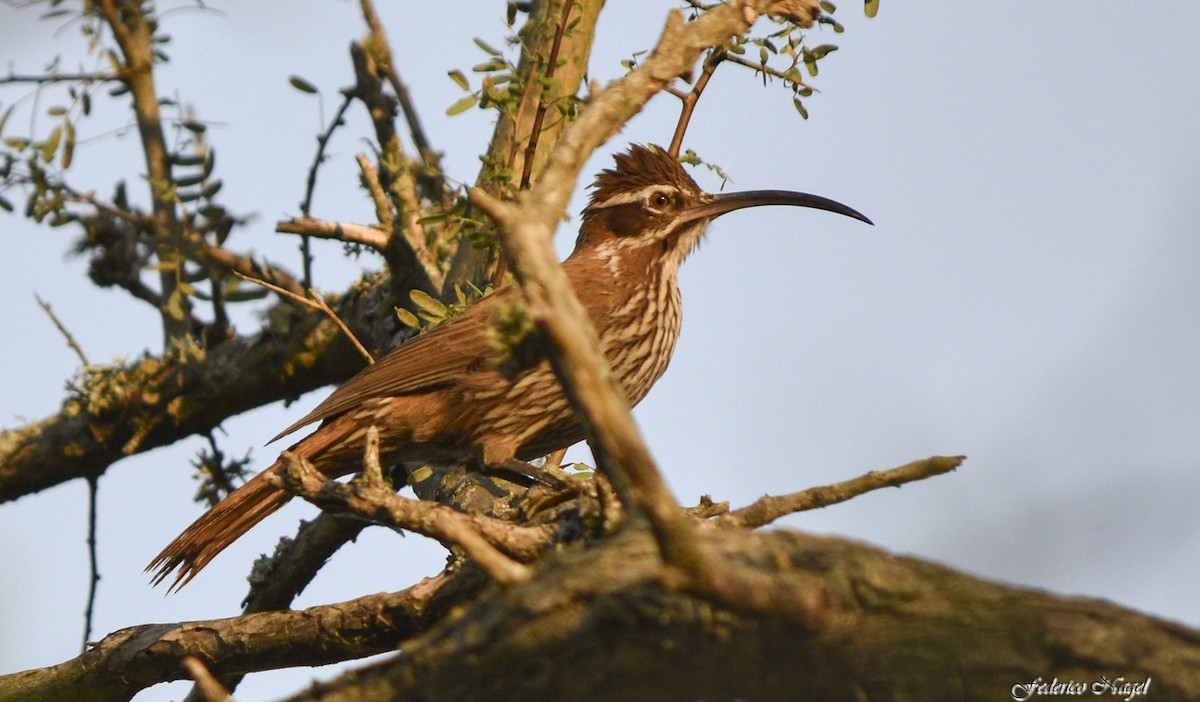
[129, 660]
[127, 408]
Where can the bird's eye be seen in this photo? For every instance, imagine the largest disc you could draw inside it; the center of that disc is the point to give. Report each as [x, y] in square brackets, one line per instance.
[660, 200]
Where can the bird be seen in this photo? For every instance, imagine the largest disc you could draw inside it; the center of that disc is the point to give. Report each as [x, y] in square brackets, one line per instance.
[448, 397]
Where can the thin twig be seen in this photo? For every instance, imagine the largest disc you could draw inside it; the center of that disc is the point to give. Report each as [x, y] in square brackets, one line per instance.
[310, 183]
[317, 303]
[94, 579]
[540, 115]
[715, 57]
[338, 231]
[769, 508]
[62, 329]
[383, 206]
[244, 266]
[428, 155]
[60, 78]
[210, 689]
[536, 130]
[773, 72]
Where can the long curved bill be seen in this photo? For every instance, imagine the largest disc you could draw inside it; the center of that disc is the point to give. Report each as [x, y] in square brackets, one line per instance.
[728, 202]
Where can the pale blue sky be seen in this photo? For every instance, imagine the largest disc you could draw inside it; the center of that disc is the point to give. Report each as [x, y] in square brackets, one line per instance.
[1028, 297]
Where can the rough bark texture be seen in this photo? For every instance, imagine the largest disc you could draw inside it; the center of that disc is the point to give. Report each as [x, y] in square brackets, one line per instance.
[598, 623]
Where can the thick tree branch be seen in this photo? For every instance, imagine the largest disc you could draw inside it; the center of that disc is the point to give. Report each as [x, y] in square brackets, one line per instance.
[132, 659]
[596, 624]
[121, 410]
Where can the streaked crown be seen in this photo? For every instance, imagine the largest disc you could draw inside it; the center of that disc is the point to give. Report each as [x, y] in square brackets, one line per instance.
[641, 198]
[640, 170]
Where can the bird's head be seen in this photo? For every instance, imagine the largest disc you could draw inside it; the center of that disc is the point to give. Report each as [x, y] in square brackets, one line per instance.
[648, 201]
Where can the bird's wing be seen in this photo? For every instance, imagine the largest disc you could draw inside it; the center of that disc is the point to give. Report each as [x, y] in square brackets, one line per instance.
[443, 356]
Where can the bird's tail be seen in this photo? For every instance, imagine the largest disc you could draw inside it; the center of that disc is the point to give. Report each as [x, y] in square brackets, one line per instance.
[218, 528]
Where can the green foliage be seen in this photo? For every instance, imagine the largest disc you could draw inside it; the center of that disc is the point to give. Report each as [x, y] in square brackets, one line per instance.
[693, 159]
[502, 87]
[431, 311]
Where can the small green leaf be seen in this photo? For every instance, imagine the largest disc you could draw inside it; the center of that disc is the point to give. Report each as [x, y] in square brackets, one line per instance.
[828, 7]
[5, 204]
[871, 8]
[302, 85]
[495, 64]
[800, 107]
[187, 159]
[69, 145]
[175, 309]
[188, 181]
[407, 318]
[462, 105]
[56, 111]
[821, 51]
[195, 127]
[487, 48]
[427, 302]
[459, 79]
[434, 217]
[50, 146]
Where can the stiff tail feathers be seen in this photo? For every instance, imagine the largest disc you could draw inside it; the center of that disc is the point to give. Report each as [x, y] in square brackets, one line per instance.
[217, 528]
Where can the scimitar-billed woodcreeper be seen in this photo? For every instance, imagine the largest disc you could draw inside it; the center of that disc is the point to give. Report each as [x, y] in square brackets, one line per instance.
[444, 398]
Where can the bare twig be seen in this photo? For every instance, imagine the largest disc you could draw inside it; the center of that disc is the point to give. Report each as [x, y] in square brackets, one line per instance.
[715, 57]
[315, 302]
[93, 561]
[244, 266]
[310, 183]
[210, 689]
[59, 78]
[430, 157]
[771, 507]
[488, 541]
[383, 206]
[339, 231]
[62, 329]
